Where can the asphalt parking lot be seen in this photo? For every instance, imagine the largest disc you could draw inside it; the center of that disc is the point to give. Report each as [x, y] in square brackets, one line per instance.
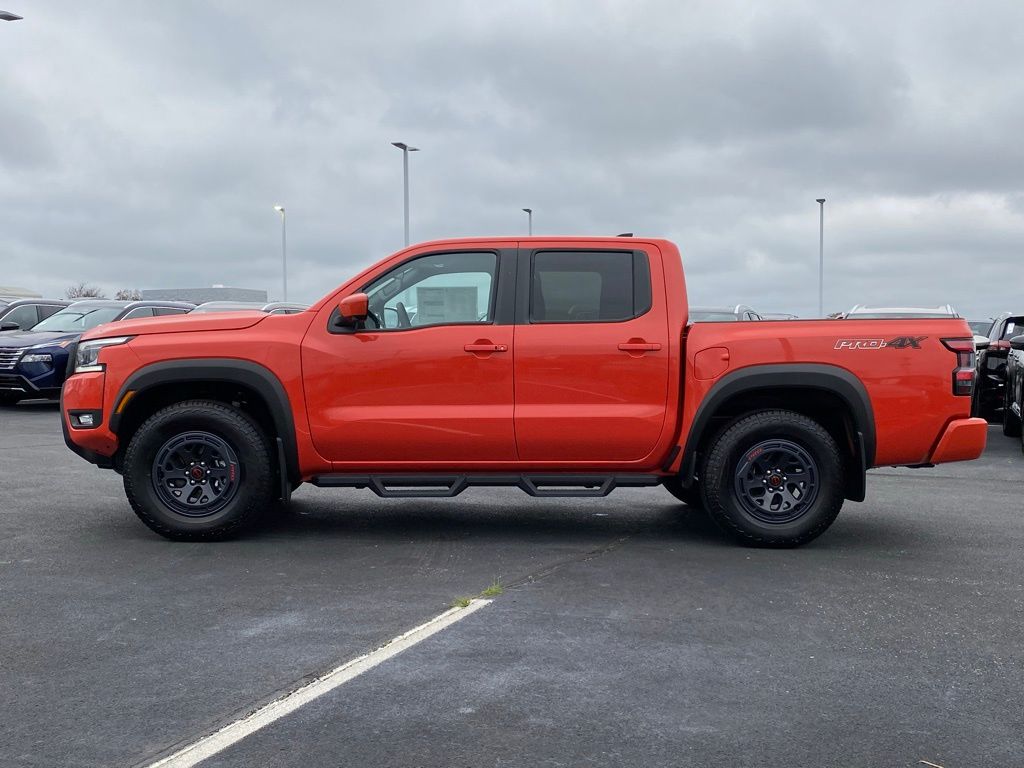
[629, 632]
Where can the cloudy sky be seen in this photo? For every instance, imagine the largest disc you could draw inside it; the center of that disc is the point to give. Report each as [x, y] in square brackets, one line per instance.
[145, 144]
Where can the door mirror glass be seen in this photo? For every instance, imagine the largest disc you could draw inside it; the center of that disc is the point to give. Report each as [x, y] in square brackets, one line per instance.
[354, 308]
[980, 342]
[1017, 342]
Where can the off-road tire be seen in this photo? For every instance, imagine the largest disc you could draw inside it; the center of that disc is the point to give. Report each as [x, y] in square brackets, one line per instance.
[1011, 421]
[254, 494]
[731, 448]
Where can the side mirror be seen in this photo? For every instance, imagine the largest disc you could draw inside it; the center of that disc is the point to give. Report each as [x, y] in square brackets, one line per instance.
[1017, 342]
[980, 342]
[10, 326]
[354, 309]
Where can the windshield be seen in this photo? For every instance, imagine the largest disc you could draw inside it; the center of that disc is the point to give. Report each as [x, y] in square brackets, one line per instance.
[77, 319]
[698, 316]
[980, 327]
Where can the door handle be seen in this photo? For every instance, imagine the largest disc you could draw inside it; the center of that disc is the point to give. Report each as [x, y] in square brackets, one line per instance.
[639, 346]
[481, 347]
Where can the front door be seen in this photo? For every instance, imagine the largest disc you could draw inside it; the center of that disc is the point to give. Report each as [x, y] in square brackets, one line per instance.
[592, 355]
[429, 380]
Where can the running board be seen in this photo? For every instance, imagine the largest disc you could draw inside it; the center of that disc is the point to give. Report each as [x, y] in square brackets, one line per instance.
[446, 486]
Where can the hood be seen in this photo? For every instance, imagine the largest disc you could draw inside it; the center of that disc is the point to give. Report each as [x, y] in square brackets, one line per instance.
[29, 339]
[213, 321]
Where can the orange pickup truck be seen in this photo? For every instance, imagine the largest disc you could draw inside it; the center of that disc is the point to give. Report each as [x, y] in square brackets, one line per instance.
[562, 366]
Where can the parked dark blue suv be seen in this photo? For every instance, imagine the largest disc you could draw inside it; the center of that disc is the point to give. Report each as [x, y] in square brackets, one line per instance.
[34, 363]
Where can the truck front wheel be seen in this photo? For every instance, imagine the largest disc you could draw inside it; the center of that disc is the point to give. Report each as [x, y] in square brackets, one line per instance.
[198, 470]
[774, 479]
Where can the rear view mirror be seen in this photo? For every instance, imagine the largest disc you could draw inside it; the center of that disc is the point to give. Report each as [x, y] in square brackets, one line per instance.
[980, 342]
[354, 308]
[1017, 342]
[9, 326]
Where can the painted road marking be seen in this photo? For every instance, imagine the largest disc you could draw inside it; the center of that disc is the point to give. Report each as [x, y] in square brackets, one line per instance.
[234, 732]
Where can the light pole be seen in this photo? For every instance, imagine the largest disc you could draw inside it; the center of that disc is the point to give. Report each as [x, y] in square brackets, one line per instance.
[821, 256]
[284, 251]
[406, 149]
[5, 16]
[529, 220]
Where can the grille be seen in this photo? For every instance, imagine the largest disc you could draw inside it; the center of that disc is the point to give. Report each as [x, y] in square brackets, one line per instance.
[9, 357]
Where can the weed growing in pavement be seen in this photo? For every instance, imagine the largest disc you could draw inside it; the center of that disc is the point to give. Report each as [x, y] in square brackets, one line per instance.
[492, 591]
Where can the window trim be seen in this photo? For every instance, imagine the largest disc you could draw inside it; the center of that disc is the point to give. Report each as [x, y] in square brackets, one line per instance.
[497, 308]
[641, 276]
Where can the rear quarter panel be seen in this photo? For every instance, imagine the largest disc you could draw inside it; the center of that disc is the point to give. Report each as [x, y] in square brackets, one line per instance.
[910, 387]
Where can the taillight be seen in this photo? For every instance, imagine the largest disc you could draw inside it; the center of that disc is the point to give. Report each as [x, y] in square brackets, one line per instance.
[1002, 344]
[963, 374]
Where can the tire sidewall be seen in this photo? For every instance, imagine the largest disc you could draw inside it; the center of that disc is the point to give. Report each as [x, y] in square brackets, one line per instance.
[736, 442]
[233, 428]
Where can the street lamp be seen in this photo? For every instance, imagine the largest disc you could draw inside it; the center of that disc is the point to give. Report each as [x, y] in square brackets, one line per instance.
[5, 16]
[529, 219]
[406, 149]
[821, 256]
[284, 252]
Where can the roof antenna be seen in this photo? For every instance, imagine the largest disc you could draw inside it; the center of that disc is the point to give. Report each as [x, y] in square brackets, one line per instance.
[625, 234]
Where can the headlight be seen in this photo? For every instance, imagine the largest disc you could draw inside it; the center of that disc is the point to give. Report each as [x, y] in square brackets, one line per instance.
[36, 358]
[88, 353]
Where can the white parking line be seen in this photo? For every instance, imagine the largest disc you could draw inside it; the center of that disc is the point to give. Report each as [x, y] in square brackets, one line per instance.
[238, 730]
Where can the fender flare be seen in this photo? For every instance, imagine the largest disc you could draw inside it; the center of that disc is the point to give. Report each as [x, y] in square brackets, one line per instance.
[792, 376]
[248, 374]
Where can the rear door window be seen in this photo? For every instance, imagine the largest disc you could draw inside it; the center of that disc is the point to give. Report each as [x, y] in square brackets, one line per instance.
[589, 286]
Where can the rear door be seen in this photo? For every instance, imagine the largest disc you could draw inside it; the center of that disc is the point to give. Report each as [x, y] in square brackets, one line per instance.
[591, 353]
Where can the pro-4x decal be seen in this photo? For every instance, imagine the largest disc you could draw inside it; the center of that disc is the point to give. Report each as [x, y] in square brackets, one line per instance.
[900, 342]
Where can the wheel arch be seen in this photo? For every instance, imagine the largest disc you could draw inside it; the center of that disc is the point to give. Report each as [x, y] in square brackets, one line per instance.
[831, 395]
[251, 386]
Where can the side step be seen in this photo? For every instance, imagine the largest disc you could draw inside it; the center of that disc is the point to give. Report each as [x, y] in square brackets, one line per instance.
[446, 486]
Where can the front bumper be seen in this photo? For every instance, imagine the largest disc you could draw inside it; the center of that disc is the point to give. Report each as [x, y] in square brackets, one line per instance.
[962, 440]
[17, 383]
[83, 393]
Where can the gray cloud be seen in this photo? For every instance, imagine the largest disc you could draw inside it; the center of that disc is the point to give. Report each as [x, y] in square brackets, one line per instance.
[145, 144]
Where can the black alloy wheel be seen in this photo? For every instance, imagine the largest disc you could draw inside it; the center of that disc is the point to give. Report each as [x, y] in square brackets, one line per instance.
[776, 481]
[196, 474]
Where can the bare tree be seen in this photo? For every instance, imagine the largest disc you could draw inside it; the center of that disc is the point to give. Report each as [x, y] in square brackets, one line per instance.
[83, 291]
[128, 294]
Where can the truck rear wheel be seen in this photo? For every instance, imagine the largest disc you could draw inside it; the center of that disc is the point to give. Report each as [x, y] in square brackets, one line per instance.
[198, 470]
[774, 479]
